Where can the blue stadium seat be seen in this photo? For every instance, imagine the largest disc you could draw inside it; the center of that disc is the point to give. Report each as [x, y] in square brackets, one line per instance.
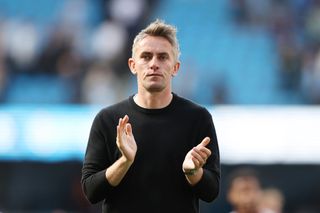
[39, 88]
[247, 59]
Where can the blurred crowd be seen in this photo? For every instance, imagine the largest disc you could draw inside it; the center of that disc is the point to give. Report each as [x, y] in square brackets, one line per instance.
[252, 190]
[78, 56]
[246, 194]
[295, 26]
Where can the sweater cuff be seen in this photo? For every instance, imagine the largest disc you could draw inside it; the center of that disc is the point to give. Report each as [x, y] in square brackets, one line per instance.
[102, 181]
[202, 184]
[207, 189]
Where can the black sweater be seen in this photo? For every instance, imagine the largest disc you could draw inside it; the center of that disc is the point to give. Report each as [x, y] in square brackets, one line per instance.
[155, 182]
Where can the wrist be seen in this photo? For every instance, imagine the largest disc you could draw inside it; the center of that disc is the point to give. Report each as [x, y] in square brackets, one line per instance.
[125, 161]
[190, 172]
[193, 176]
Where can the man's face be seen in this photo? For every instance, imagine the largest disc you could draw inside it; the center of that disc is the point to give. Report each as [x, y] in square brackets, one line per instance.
[245, 194]
[154, 64]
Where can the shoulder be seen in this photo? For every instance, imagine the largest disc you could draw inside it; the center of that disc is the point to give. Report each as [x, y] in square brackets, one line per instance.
[114, 111]
[116, 107]
[191, 107]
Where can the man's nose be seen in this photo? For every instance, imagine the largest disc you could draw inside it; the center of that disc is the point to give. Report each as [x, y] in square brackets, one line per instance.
[154, 63]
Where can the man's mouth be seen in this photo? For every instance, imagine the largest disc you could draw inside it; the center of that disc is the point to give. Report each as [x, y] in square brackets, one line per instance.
[154, 75]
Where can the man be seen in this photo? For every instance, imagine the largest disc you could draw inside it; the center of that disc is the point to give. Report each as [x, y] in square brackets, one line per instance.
[244, 192]
[165, 157]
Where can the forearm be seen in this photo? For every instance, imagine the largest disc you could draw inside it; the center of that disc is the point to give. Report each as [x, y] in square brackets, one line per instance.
[97, 185]
[116, 172]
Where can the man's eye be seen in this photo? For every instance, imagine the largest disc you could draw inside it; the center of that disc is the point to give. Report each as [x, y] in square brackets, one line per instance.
[146, 57]
[163, 57]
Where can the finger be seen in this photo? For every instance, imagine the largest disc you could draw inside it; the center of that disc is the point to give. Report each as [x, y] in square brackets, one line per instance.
[204, 142]
[196, 162]
[118, 136]
[203, 152]
[199, 158]
[125, 119]
[128, 129]
[118, 129]
[120, 124]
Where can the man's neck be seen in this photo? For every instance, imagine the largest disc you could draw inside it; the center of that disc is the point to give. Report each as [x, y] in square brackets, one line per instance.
[155, 100]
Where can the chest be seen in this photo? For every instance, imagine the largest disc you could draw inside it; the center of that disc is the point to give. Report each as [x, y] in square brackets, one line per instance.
[164, 139]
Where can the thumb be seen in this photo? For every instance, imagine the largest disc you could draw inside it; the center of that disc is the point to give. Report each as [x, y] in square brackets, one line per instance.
[204, 142]
[128, 129]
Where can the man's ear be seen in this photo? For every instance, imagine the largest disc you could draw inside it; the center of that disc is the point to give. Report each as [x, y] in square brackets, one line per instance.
[176, 68]
[132, 65]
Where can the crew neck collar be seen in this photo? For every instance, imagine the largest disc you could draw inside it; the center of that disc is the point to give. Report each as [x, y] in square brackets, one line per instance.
[147, 110]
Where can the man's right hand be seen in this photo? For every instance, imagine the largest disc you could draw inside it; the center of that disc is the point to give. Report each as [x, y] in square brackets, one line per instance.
[125, 139]
[128, 148]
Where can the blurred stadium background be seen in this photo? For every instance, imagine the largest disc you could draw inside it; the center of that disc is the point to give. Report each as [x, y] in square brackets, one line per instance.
[255, 64]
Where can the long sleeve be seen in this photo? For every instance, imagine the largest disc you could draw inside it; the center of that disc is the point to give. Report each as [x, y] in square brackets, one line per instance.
[208, 187]
[94, 182]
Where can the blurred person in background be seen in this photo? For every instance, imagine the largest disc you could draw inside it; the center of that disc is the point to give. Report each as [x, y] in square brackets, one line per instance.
[166, 158]
[244, 192]
[273, 199]
[21, 43]
[99, 85]
[59, 43]
[311, 77]
[3, 68]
